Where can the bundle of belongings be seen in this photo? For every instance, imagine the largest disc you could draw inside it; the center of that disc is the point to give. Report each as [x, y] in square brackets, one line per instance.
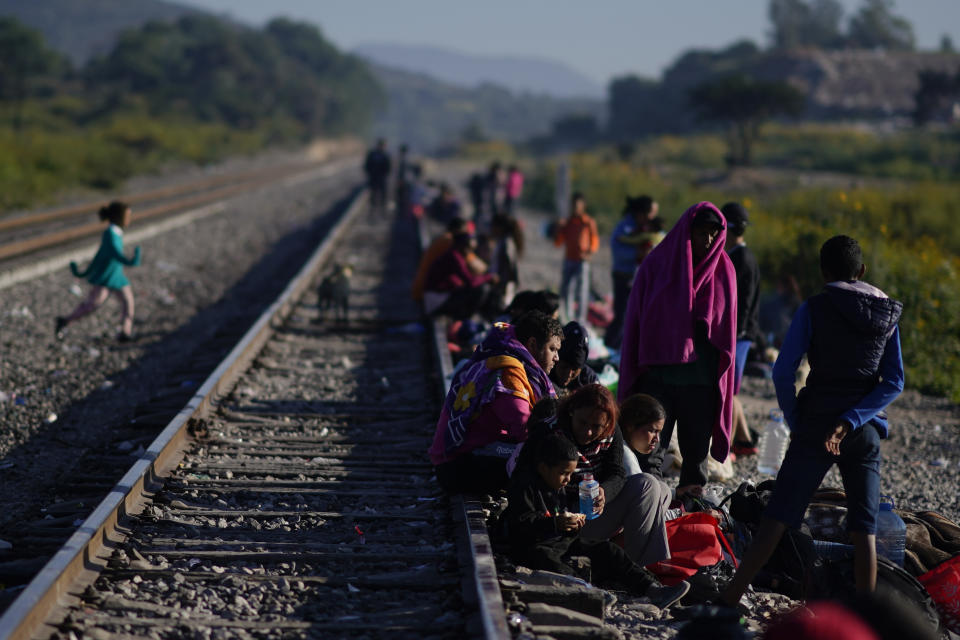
[816, 561]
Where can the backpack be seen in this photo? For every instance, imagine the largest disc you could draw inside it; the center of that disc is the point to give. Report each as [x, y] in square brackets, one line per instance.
[695, 541]
[792, 568]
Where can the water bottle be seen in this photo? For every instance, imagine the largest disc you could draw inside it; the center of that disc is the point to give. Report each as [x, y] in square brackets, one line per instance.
[773, 444]
[891, 532]
[589, 492]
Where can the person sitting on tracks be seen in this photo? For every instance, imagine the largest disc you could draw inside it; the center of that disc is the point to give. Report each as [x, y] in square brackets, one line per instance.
[572, 370]
[451, 287]
[541, 530]
[679, 339]
[445, 207]
[636, 505]
[439, 246]
[486, 410]
[105, 272]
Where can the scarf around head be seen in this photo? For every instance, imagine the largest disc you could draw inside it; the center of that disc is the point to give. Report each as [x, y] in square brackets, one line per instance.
[669, 296]
[501, 364]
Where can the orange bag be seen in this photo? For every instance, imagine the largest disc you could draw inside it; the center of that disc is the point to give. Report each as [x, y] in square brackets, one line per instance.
[695, 541]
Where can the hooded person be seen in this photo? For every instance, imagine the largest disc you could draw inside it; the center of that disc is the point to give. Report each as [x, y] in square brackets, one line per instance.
[572, 371]
[679, 340]
[490, 399]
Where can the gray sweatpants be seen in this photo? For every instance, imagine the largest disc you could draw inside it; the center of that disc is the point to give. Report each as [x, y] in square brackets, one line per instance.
[638, 510]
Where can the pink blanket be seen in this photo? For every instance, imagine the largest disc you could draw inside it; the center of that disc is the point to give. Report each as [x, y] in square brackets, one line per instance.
[669, 296]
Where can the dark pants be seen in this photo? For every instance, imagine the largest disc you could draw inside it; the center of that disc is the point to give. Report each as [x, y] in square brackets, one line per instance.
[473, 474]
[607, 561]
[622, 283]
[807, 462]
[378, 194]
[692, 409]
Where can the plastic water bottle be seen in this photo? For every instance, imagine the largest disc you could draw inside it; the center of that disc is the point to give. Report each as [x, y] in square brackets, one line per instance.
[891, 532]
[589, 492]
[773, 444]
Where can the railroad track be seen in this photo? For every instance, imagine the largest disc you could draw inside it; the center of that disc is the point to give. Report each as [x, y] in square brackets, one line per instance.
[27, 235]
[291, 496]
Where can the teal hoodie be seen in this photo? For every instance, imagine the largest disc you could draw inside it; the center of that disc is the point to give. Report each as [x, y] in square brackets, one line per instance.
[106, 269]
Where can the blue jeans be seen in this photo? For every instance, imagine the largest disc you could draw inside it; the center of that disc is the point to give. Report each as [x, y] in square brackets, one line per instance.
[575, 290]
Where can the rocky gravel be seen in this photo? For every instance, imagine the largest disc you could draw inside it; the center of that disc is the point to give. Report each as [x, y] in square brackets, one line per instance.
[59, 398]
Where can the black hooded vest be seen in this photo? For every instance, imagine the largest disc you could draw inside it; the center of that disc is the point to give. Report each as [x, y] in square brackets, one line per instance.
[850, 326]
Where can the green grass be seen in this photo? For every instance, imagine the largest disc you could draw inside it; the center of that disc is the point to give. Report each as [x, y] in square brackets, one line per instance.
[908, 228]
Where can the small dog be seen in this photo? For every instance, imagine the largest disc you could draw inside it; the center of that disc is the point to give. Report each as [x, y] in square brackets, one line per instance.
[334, 292]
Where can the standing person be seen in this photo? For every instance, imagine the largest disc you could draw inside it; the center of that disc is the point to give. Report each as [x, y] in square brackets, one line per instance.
[678, 340]
[477, 186]
[850, 334]
[578, 236]
[508, 245]
[748, 315]
[105, 272]
[513, 189]
[494, 196]
[637, 233]
[377, 168]
[490, 400]
[542, 532]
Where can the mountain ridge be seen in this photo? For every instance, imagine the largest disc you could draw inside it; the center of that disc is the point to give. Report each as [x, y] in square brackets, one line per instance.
[521, 74]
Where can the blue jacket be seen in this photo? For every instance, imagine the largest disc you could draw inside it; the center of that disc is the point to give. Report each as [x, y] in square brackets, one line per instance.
[850, 335]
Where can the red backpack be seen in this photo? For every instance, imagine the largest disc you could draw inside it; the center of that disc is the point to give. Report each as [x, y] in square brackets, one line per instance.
[695, 541]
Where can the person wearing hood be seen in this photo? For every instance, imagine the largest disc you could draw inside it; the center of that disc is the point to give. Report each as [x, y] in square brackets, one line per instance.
[679, 340]
[572, 371]
[849, 332]
[490, 399]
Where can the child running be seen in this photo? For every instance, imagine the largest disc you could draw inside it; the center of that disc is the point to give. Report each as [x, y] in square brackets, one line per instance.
[850, 335]
[542, 534]
[105, 272]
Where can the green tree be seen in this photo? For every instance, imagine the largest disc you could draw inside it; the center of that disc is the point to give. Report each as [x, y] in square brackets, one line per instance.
[744, 104]
[875, 26]
[25, 65]
[806, 24]
[935, 96]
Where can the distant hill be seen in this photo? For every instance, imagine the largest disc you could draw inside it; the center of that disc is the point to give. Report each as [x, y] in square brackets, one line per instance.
[429, 114]
[84, 28]
[519, 74]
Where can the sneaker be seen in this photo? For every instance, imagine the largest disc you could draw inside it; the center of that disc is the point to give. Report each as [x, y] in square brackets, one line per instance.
[742, 448]
[663, 596]
[124, 337]
[61, 325]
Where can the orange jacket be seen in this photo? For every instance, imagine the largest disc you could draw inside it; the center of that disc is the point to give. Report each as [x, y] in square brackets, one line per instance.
[578, 235]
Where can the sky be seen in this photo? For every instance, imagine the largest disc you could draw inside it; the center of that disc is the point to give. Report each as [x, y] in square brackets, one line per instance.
[601, 39]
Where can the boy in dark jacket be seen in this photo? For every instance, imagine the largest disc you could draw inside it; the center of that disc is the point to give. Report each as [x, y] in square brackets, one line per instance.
[850, 335]
[543, 534]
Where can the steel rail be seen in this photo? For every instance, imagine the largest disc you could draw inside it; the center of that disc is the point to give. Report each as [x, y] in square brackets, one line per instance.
[87, 550]
[72, 211]
[46, 241]
[486, 587]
